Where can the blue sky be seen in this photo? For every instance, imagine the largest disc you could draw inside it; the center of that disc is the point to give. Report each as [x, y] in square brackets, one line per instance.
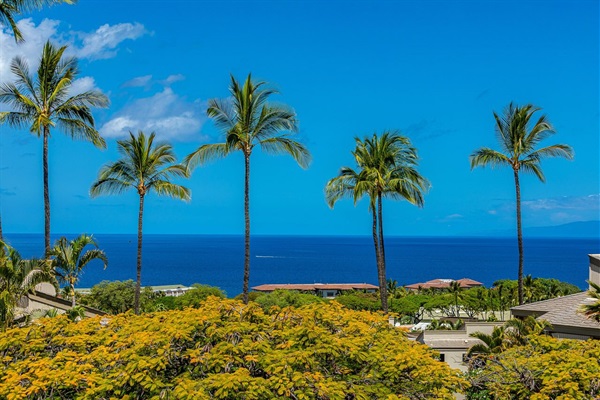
[433, 70]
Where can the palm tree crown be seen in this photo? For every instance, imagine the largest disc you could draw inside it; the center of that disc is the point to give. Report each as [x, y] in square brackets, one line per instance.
[45, 101]
[592, 309]
[518, 142]
[247, 121]
[144, 167]
[387, 168]
[17, 278]
[70, 259]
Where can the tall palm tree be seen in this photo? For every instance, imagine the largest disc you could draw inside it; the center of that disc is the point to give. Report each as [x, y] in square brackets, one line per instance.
[592, 309]
[518, 141]
[46, 102]
[248, 120]
[10, 8]
[387, 169]
[144, 167]
[18, 277]
[70, 260]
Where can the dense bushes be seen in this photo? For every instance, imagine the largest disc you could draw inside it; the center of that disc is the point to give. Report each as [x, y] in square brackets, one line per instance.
[222, 350]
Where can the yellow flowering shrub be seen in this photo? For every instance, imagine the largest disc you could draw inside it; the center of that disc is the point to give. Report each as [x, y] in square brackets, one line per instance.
[544, 368]
[222, 350]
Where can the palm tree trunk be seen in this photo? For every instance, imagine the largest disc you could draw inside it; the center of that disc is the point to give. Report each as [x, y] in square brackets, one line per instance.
[46, 194]
[519, 236]
[376, 239]
[72, 295]
[247, 227]
[381, 266]
[1, 236]
[138, 282]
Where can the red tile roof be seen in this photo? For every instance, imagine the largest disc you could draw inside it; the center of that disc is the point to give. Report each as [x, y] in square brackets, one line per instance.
[314, 286]
[465, 283]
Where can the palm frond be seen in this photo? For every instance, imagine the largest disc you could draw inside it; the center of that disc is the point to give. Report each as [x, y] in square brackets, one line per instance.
[486, 156]
[172, 190]
[284, 145]
[206, 153]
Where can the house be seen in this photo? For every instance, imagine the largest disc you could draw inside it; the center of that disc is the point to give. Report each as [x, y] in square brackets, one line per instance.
[465, 283]
[564, 312]
[453, 345]
[325, 290]
[44, 298]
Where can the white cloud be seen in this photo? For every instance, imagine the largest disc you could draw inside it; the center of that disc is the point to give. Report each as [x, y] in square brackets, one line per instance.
[590, 202]
[172, 79]
[139, 81]
[171, 116]
[104, 41]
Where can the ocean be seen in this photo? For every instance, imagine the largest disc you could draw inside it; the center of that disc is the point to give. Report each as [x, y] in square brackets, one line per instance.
[218, 260]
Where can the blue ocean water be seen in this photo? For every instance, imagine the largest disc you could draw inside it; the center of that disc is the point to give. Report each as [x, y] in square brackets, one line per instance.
[218, 259]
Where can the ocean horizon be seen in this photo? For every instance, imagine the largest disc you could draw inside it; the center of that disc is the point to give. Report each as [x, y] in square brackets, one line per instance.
[217, 260]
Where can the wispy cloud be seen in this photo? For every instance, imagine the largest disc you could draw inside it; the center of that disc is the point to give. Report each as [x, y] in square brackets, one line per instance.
[482, 94]
[7, 192]
[139, 81]
[171, 116]
[451, 218]
[590, 202]
[104, 42]
[426, 129]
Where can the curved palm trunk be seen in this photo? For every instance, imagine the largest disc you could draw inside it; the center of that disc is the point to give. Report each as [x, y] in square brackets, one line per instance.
[1, 236]
[247, 227]
[138, 282]
[376, 240]
[46, 194]
[381, 265]
[72, 295]
[519, 236]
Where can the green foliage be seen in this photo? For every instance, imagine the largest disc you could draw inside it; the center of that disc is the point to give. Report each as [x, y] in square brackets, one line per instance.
[17, 278]
[115, 297]
[196, 296]
[223, 350]
[360, 301]
[410, 305]
[542, 368]
[287, 298]
[70, 259]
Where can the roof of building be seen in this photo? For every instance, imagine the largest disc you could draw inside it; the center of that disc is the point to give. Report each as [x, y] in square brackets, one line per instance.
[314, 286]
[560, 311]
[465, 283]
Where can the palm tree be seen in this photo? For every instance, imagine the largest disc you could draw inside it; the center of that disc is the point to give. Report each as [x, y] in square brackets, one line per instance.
[592, 310]
[247, 121]
[10, 8]
[518, 141]
[47, 103]
[387, 169]
[455, 289]
[491, 344]
[18, 277]
[144, 167]
[70, 260]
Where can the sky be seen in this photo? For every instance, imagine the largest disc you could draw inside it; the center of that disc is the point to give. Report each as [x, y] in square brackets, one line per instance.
[433, 70]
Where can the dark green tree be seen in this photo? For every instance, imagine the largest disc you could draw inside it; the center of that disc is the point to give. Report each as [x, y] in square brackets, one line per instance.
[386, 168]
[144, 167]
[45, 101]
[248, 121]
[70, 259]
[519, 137]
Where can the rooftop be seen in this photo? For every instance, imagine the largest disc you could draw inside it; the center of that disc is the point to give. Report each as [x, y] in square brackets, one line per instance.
[314, 286]
[465, 283]
[560, 311]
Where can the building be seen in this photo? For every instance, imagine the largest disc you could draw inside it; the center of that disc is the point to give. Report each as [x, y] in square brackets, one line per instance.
[563, 313]
[44, 298]
[325, 290]
[453, 345]
[465, 283]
